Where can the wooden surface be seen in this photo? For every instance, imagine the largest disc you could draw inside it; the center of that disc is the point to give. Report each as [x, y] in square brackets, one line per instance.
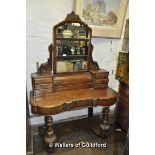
[47, 83]
[67, 100]
[123, 107]
[73, 79]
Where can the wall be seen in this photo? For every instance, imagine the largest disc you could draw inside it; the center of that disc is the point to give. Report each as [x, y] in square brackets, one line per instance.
[41, 17]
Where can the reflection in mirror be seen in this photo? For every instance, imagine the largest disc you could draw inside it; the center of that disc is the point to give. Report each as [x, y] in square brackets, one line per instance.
[71, 30]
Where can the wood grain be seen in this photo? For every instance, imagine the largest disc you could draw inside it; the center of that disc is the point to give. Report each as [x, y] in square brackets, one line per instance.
[55, 102]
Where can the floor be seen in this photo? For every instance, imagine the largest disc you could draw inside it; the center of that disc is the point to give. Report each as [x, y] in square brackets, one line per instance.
[114, 145]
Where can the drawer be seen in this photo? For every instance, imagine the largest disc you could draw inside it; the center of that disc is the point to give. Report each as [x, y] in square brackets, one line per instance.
[73, 87]
[101, 81]
[42, 80]
[73, 79]
[43, 86]
[42, 92]
[96, 86]
[101, 76]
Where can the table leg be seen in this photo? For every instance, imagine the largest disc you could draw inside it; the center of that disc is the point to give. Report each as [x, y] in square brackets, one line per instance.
[90, 111]
[104, 125]
[50, 137]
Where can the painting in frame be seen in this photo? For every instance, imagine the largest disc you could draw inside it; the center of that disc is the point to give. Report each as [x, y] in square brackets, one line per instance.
[105, 17]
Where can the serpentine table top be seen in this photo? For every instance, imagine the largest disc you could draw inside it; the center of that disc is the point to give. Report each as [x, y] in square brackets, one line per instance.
[58, 102]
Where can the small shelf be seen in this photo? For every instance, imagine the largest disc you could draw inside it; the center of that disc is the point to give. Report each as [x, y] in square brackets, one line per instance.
[71, 56]
[73, 39]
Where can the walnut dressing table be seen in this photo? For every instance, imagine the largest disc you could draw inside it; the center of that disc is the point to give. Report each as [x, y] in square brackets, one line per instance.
[70, 79]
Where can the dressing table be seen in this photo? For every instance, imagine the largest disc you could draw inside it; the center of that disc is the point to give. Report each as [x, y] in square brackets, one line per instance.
[70, 79]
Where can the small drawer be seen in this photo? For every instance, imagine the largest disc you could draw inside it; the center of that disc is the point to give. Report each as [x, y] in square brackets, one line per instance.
[43, 86]
[43, 80]
[41, 92]
[101, 76]
[101, 81]
[96, 86]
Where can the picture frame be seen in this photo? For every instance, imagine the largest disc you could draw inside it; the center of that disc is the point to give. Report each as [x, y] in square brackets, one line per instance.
[105, 17]
[122, 71]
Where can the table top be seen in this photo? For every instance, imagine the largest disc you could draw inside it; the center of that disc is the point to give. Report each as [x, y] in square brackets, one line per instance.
[67, 100]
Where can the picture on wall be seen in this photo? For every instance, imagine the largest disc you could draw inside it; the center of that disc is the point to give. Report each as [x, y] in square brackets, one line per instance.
[105, 17]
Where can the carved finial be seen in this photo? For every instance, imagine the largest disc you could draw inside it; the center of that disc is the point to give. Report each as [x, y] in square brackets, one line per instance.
[73, 16]
[73, 13]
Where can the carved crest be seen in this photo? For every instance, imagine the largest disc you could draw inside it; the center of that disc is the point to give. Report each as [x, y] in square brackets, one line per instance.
[72, 16]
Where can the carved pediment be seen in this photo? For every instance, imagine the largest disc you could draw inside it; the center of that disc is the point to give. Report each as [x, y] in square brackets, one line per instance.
[73, 16]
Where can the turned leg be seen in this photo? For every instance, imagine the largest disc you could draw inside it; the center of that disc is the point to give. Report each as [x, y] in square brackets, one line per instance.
[104, 125]
[50, 137]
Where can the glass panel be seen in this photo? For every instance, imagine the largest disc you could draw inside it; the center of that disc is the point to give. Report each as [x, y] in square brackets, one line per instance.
[71, 47]
[72, 65]
[67, 47]
[72, 30]
[71, 56]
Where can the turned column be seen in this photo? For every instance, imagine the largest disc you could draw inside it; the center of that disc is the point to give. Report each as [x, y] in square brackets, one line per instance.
[104, 125]
[50, 137]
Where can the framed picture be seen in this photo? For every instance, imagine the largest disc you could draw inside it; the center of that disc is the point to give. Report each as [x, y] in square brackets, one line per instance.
[105, 17]
[122, 72]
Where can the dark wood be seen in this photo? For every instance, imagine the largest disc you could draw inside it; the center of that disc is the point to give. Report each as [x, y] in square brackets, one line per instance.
[53, 92]
[72, 81]
[73, 87]
[104, 125]
[68, 100]
[80, 78]
[49, 137]
[100, 78]
[42, 83]
[99, 73]
[90, 111]
[100, 86]
[122, 117]
[101, 81]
